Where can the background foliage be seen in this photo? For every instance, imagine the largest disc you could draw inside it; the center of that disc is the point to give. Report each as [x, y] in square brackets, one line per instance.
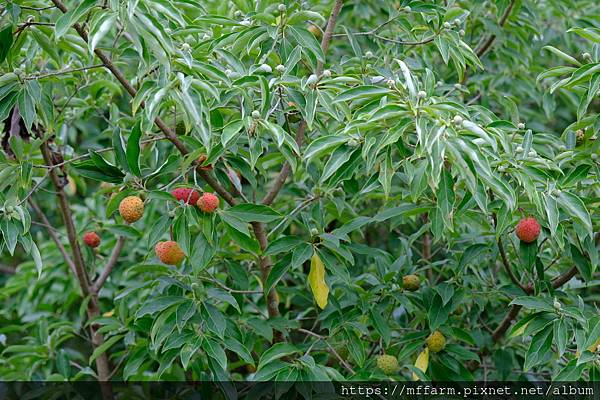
[414, 144]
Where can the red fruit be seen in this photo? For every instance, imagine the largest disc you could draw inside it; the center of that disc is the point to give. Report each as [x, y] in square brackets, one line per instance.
[528, 230]
[131, 208]
[208, 202]
[91, 239]
[189, 196]
[169, 252]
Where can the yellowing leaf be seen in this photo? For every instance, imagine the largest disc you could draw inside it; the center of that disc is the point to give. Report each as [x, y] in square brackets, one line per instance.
[594, 346]
[422, 363]
[519, 331]
[316, 279]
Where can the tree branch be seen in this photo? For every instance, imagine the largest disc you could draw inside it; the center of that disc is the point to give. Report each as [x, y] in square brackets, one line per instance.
[112, 261]
[507, 266]
[93, 310]
[331, 349]
[53, 235]
[485, 46]
[61, 72]
[285, 170]
[7, 270]
[514, 311]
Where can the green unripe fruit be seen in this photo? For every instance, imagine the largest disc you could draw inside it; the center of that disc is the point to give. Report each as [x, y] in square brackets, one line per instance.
[411, 282]
[436, 342]
[256, 114]
[387, 364]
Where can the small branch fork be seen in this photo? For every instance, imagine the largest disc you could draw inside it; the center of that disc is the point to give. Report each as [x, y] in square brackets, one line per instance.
[258, 228]
[485, 45]
[77, 265]
[285, 170]
[514, 311]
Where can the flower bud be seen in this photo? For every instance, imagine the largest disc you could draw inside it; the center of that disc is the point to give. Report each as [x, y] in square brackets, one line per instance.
[265, 68]
[256, 114]
[556, 305]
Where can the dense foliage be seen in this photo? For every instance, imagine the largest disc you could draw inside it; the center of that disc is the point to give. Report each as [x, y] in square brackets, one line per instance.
[410, 142]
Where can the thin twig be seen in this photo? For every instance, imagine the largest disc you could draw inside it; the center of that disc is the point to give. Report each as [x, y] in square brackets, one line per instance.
[514, 311]
[53, 235]
[230, 290]
[84, 156]
[62, 72]
[110, 264]
[507, 266]
[292, 213]
[32, 191]
[36, 8]
[335, 353]
[285, 170]
[485, 46]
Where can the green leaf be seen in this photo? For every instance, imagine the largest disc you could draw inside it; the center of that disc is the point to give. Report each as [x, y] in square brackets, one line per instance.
[576, 208]
[6, 41]
[581, 262]
[133, 150]
[539, 349]
[155, 305]
[361, 92]
[283, 244]
[533, 303]
[216, 352]
[562, 55]
[105, 346]
[277, 272]
[37, 258]
[381, 325]
[65, 21]
[117, 142]
[254, 213]
[277, 351]
[104, 166]
[528, 254]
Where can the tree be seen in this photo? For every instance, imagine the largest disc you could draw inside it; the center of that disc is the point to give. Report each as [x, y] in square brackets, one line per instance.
[371, 162]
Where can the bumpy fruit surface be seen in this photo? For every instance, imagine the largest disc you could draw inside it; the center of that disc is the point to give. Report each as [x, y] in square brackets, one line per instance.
[436, 342]
[528, 230]
[189, 196]
[131, 208]
[169, 252]
[91, 239]
[411, 282]
[387, 364]
[208, 202]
